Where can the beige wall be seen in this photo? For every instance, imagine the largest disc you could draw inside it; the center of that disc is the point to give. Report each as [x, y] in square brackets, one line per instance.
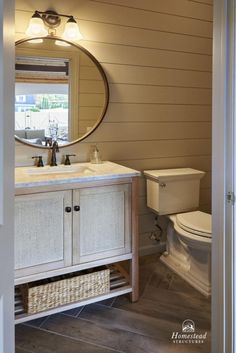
[157, 57]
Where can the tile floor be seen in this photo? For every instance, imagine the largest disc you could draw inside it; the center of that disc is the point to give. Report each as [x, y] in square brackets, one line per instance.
[116, 325]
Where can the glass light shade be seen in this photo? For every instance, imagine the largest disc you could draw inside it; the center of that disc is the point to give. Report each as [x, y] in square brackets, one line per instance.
[72, 31]
[36, 27]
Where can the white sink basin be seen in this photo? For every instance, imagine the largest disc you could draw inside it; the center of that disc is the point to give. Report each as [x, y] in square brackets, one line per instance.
[60, 169]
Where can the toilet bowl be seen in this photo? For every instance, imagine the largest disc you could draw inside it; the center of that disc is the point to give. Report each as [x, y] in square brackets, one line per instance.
[175, 194]
[189, 248]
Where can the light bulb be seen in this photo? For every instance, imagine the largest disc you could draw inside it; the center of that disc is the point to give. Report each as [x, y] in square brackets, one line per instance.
[72, 31]
[36, 27]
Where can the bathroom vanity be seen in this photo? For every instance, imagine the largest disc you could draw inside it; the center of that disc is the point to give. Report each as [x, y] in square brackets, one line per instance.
[75, 218]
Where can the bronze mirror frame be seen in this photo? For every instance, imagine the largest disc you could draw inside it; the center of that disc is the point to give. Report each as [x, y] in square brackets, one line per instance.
[106, 86]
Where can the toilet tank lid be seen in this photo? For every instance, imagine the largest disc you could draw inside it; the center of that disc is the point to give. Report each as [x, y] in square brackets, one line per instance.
[178, 173]
[195, 221]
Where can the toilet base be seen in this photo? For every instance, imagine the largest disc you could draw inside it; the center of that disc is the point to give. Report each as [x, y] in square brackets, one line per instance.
[185, 272]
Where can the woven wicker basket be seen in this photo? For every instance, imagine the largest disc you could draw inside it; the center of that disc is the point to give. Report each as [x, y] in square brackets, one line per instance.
[64, 291]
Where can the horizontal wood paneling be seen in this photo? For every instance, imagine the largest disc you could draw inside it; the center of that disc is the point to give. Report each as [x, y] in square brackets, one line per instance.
[129, 36]
[132, 74]
[205, 2]
[130, 17]
[143, 131]
[135, 112]
[156, 21]
[90, 73]
[146, 38]
[157, 57]
[200, 162]
[182, 8]
[124, 93]
[153, 149]
[91, 99]
[88, 113]
[112, 53]
[91, 86]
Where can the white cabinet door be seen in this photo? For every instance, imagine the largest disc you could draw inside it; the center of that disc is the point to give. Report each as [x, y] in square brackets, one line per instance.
[42, 232]
[101, 223]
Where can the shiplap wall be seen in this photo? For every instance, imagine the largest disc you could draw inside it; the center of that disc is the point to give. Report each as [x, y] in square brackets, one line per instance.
[157, 55]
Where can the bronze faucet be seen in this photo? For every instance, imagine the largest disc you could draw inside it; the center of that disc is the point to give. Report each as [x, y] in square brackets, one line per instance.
[54, 149]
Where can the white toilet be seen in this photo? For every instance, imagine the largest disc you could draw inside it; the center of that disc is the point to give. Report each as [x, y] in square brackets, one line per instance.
[175, 193]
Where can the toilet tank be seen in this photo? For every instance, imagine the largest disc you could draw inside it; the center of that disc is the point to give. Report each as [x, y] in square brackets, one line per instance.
[173, 190]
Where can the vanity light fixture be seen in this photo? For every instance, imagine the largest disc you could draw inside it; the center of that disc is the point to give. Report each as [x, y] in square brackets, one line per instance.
[72, 31]
[52, 20]
[36, 26]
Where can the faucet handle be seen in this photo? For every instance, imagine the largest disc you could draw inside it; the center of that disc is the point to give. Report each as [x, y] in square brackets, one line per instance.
[55, 145]
[48, 141]
[67, 159]
[39, 162]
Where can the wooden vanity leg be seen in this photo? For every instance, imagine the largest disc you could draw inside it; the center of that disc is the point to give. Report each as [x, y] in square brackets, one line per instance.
[134, 263]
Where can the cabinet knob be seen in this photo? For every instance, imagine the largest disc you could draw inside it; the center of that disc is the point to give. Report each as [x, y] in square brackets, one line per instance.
[76, 208]
[68, 209]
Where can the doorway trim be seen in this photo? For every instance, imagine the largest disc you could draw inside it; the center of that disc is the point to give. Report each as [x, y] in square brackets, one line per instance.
[7, 176]
[223, 176]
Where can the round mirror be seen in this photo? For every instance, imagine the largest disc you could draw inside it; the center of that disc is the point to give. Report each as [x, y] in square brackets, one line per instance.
[61, 92]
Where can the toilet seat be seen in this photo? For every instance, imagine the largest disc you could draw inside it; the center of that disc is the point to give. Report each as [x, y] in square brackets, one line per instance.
[197, 223]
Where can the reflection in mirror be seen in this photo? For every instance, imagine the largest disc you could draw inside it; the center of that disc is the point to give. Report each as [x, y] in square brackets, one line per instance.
[41, 99]
[61, 92]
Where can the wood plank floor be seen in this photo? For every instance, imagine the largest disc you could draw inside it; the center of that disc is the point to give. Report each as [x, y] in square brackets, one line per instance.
[116, 325]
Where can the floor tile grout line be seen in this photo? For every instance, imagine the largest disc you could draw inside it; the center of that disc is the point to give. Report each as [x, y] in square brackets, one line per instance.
[118, 328]
[163, 337]
[161, 304]
[80, 311]
[80, 308]
[137, 312]
[186, 294]
[113, 302]
[166, 275]
[102, 346]
[126, 329]
[160, 340]
[44, 321]
[106, 305]
[67, 315]
[121, 310]
[76, 339]
[174, 292]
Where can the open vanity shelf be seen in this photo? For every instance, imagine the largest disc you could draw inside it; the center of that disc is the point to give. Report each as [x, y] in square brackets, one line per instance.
[119, 284]
[69, 224]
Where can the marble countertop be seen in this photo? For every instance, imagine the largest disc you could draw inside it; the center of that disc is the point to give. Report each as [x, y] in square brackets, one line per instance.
[27, 177]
